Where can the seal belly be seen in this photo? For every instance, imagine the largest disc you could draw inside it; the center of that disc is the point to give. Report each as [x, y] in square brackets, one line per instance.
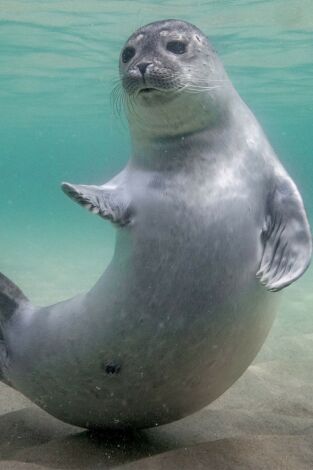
[174, 320]
[178, 314]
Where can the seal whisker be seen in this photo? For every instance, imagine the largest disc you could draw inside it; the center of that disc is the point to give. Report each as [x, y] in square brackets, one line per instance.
[115, 98]
[117, 81]
[200, 89]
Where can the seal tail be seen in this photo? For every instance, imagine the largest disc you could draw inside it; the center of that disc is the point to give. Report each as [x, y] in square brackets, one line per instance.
[11, 298]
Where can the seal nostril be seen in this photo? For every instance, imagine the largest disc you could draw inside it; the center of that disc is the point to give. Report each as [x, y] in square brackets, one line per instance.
[111, 368]
[143, 67]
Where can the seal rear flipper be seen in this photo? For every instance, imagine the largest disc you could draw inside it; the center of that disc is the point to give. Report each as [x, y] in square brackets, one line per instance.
[109, 203]
[3, 355]
[11, 298]
[286, 237]
[4, 360]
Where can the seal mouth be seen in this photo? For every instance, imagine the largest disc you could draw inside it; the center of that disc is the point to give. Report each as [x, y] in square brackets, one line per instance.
[147, 90]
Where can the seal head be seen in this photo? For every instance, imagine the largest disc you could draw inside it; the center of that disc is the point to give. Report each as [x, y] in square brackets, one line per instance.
[170, 66]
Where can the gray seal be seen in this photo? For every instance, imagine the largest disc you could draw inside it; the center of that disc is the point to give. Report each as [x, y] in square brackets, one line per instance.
[208, 225]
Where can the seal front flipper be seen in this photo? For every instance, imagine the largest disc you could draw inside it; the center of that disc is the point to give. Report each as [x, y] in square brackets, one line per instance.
[286, 237]
[110, 203]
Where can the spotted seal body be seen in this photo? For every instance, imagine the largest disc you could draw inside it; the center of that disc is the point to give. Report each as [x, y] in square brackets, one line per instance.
[208, 224]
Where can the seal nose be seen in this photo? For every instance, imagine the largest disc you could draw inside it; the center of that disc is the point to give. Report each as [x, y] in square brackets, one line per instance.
[143, 67]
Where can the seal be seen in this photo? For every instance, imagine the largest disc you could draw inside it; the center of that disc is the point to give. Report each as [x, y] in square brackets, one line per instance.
[208, 224]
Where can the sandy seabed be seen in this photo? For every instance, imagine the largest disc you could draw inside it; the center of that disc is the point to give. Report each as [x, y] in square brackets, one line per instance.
[264, 421]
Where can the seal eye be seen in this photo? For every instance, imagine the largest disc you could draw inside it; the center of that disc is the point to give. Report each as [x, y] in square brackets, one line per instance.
[177, 47]
[127, 54]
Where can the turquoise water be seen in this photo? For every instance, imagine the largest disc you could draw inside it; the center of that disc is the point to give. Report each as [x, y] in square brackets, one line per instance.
[58, 63]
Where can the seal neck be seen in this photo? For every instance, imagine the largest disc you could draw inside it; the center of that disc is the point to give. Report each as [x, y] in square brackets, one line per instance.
[167, 136]
[168, 115]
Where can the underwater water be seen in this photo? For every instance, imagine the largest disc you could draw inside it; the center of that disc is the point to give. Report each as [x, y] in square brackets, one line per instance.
[58, 66]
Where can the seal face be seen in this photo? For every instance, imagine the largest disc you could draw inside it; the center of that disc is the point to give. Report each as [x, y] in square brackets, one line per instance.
[164, 56]
[209, 225]
[173, 81]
